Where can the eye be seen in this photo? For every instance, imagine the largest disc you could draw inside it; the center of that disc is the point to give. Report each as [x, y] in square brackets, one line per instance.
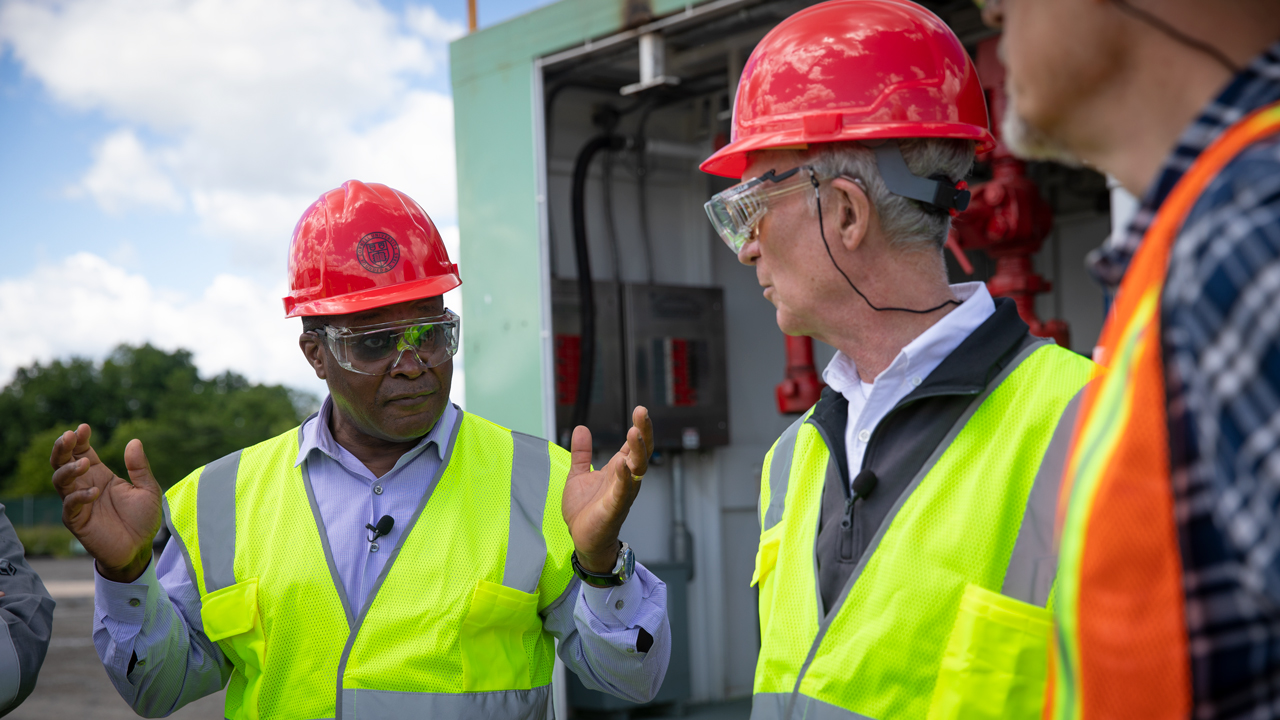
[375, 342]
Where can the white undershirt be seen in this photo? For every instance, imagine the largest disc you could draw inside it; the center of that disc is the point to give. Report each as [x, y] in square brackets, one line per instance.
[870, 402]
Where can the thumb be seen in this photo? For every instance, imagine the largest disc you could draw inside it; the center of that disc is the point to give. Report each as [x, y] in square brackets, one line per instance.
[135, 461]
[580, 449]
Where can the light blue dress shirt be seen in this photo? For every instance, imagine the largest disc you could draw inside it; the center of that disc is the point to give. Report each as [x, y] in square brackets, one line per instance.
[154, 622]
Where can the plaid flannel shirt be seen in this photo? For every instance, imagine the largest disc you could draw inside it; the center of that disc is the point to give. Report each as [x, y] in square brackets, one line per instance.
[1220, 317]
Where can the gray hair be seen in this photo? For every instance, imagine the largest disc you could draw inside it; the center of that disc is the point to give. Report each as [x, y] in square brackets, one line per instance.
[907, 223]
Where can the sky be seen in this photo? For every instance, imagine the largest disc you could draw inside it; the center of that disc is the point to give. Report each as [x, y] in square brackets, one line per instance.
[155, 156]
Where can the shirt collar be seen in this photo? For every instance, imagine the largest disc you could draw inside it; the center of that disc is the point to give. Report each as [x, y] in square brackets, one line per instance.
[316, 436]
[923, 354]
[1257, 86]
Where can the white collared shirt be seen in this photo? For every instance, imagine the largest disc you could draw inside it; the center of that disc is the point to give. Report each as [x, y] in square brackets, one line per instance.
[870, 402]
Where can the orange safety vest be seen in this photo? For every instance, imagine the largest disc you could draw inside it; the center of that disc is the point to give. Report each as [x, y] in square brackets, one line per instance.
[1120, 644]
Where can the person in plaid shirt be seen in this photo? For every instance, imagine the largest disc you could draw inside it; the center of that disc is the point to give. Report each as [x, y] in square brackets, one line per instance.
[1139, 89]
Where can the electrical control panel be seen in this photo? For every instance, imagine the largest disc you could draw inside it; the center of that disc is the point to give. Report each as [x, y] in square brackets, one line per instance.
[660, 346]
[607, 411]
[674, 340]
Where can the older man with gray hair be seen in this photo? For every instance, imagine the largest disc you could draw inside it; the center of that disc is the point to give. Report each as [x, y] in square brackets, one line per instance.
[905, 560]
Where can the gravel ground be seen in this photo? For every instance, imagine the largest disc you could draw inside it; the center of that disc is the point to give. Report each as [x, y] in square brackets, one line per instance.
[72, 683]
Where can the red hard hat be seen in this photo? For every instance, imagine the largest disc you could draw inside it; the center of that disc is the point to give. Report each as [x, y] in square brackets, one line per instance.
[365, 246]
[854, 70]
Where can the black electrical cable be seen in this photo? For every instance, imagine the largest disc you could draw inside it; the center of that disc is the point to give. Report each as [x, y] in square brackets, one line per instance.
[586, 294]
[823, 232]
[1178, 35]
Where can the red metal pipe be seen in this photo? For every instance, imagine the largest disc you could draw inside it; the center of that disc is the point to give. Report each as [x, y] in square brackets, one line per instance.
[802, 386]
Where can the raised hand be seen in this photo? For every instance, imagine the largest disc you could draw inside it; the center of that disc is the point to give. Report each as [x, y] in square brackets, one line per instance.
[113, 518]
[596, 502]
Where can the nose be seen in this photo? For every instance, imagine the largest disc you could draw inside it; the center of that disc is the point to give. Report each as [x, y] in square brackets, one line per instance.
[407, 364]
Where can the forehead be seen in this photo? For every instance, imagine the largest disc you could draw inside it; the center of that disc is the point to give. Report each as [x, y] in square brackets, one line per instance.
[425, 307]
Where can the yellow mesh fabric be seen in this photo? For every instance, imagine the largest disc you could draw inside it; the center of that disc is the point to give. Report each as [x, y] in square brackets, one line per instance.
[881, 655]
[789, 595]
[459, 541]
[182, 513]
[428, 591]
[278, 542]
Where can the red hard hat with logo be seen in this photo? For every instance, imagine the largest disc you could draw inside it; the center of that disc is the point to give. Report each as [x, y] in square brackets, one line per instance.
[364, 246]
[854, 70]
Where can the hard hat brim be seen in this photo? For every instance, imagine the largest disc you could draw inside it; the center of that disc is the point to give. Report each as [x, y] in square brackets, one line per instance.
[377, 297]
[731, 160]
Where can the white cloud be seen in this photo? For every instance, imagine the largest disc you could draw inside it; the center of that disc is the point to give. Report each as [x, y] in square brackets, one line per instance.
[124, 175]
[85, 306]
[257, 107]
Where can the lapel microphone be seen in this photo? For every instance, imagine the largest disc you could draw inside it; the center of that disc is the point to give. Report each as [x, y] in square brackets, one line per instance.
[385, 523]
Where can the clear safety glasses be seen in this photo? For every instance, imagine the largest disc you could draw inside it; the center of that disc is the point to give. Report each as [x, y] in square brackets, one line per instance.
[376, 349]
[736, 212]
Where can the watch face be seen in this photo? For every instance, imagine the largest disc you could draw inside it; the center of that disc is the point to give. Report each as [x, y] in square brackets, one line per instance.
[628, 562]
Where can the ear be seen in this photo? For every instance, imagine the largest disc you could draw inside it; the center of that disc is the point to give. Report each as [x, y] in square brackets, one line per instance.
[314, 351]
[850, 211]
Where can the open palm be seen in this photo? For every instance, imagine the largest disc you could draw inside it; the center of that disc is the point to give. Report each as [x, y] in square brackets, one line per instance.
[115, 519]
[596, 502]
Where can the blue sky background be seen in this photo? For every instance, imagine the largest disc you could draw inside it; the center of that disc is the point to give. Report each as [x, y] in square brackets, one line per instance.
[155, 155]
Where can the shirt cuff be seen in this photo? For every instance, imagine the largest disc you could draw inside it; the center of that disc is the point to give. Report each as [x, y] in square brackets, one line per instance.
[615, 607]
[125, 603]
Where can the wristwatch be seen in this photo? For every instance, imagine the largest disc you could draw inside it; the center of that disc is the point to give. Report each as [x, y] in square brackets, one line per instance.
[621, 572]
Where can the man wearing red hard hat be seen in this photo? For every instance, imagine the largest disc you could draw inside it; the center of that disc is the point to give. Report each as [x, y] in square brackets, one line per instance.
[1168, 602]
[905, 558]
[393, 557]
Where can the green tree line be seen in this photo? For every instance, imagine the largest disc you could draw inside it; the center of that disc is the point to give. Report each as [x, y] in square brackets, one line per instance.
[183, 420]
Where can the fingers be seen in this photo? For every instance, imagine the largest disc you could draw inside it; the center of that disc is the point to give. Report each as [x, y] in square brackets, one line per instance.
[135, 461]
[64, 477]
[76, 504]
[639, 442]
[580, 451]
[71, 444]
[640, 419]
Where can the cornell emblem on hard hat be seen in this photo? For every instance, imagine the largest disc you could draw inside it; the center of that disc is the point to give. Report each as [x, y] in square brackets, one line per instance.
[378, 252]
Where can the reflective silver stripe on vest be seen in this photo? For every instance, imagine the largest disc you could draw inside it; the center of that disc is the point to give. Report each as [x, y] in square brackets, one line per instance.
[1034, 562]
[216, 521]
[796, 699]
[780, 473]
[526, 546]
[383, 704]
[772, 706]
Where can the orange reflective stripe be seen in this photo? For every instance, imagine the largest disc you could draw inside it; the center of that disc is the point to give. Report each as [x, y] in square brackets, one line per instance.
[1121, 639]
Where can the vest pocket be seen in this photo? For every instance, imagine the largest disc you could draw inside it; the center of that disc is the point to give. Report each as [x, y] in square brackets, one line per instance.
[767, 555]
[996, 658]
[492, 638]
[231, 619]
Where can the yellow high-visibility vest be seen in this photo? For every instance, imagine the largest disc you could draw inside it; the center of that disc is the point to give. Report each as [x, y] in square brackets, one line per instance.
[944, 615]
[452, 628]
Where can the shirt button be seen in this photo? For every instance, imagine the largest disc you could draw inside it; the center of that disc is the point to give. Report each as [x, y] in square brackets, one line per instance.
[377, 489]
[134, 602]
[631, 650]
[373, 547]
[140, 663]
[915, 382]
[864, 435]
[618, 605]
